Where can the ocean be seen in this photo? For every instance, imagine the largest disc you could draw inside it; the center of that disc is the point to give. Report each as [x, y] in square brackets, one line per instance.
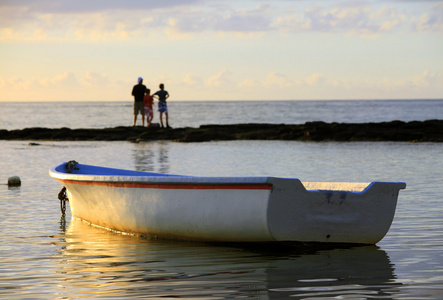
[46, 255]
[193, 114]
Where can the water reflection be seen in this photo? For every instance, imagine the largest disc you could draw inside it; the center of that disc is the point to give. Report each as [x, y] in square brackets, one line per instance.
[151, 157]
[360, 272]
[63, 223]
[96, 262]
[14, 190]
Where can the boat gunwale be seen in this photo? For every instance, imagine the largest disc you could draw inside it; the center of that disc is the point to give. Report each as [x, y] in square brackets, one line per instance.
[172, 185]
[152, 178]
[156, 180]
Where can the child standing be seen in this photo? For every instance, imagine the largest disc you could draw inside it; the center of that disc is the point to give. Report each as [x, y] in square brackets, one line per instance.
[148, 102]
[162, 107]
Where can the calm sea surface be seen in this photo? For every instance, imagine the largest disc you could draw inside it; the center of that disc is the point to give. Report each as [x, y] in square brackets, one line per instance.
[44, 255]
[194, 114]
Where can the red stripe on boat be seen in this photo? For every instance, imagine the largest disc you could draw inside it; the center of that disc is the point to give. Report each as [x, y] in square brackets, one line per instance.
[184, 186]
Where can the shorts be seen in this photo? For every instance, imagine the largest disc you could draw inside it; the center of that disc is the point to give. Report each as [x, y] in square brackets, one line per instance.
[148, 111]
[162, 107]
[139, 108]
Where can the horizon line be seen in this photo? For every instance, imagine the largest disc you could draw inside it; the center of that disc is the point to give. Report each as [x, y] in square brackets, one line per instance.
[244, 100]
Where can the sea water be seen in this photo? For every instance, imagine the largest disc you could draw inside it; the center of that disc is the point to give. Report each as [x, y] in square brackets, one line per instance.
[45, 255]
[193, 114]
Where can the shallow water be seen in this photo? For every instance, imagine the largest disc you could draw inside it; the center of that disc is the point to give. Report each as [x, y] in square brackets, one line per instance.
[43, 255]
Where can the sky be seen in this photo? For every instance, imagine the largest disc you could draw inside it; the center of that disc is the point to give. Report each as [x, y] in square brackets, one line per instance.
[87, 50]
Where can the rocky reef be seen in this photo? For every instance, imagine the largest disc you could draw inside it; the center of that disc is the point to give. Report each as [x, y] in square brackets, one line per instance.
[414, 131]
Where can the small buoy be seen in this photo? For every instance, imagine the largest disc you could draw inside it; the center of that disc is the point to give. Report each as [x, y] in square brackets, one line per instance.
[14, 181]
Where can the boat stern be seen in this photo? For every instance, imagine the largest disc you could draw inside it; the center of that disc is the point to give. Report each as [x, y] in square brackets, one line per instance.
[359, 213]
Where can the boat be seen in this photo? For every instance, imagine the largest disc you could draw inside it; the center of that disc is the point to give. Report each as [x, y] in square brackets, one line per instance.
[229, 209]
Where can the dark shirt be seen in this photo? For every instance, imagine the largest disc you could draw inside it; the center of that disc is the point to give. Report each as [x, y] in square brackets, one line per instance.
[161, 95]
[138, 91]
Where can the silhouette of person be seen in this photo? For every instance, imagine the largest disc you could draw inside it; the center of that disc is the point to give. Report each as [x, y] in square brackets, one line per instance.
[138, 91]
[148, 101]
[162, 106]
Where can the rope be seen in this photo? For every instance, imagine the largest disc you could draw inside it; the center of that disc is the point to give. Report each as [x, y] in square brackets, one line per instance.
[70, 166]
[63, 197]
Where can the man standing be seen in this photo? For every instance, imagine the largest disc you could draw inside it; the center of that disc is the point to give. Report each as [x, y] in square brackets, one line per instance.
[162, 106]
[138, 91]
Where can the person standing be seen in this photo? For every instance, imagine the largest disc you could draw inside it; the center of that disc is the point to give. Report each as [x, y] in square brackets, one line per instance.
[138, 91]
[148, 102]
[162, 106]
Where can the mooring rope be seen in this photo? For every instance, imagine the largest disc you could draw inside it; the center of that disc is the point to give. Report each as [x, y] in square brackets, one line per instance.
[63, 197]
[70, 166]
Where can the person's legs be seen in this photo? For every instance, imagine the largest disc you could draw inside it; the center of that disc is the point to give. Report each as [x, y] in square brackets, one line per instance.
[139, 109]
[149, 119]
[135, 114]
[161, 119]
[166, 118]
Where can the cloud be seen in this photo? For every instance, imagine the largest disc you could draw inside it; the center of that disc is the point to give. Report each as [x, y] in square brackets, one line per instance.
[277, 80]
[419, 86]
[249, 83]
[192, 79]
[221, 78]
[315, 79]
[219, 19]
[82, 20]
[96, 79]
[358, 19]
[425, 84]
[67, 79]
[94, 86]
[430, 22]
[114, 19]
[427, 79]
[87, 6]
[245, 20]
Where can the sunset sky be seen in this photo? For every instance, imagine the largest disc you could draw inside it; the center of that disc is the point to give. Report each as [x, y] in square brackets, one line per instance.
[221, 50]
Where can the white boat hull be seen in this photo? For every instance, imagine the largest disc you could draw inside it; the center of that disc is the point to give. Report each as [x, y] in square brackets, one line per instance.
[250, 209]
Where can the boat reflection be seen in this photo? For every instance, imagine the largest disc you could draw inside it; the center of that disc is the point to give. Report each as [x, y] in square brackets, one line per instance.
[359, 272]
[98, 262]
